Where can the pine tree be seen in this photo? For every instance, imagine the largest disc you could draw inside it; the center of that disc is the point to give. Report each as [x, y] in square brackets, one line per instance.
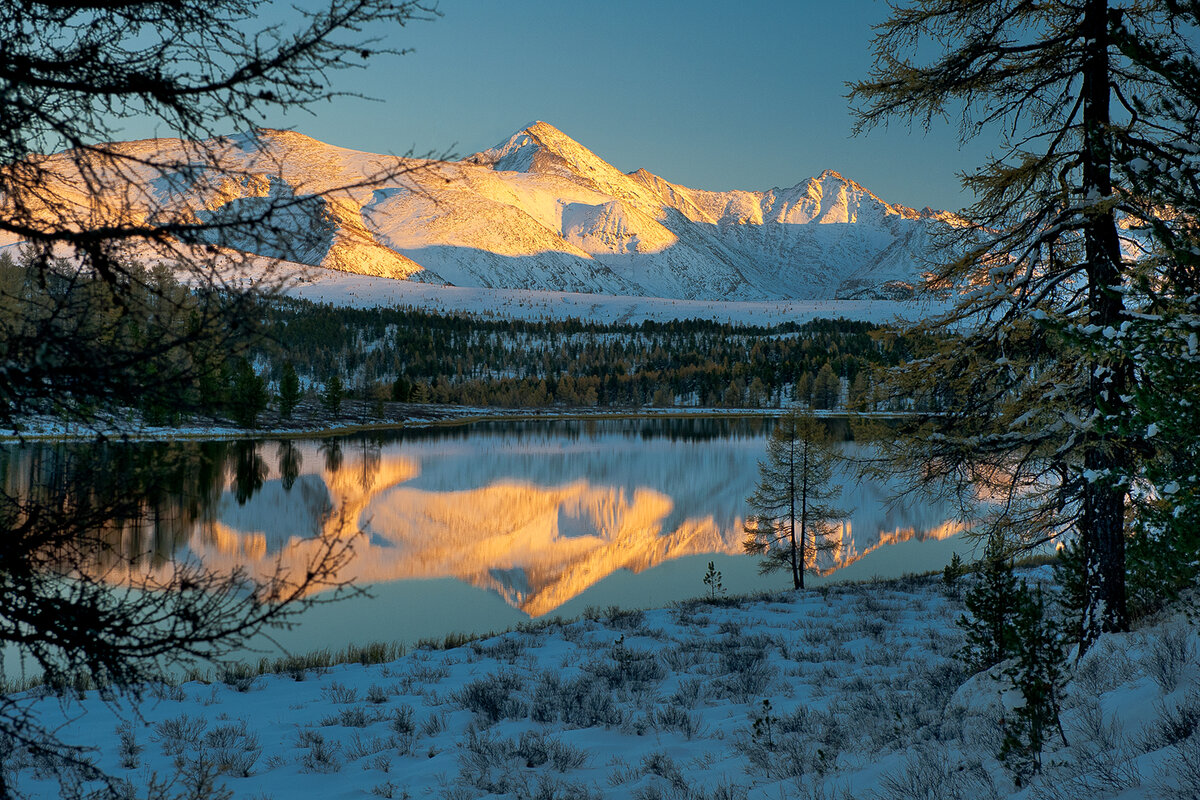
[331, 399]
[248, 395]
[1038, 674]
[289, 391]
[802, 393]
[856, 397]
[1035, 395]
[827, 388]
[791, 517]
[993, 603]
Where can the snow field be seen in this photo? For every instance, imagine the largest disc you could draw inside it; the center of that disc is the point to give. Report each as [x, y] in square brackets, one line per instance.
[851, 691]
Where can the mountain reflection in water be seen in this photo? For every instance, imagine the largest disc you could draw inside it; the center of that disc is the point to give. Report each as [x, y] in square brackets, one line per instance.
[536, 512]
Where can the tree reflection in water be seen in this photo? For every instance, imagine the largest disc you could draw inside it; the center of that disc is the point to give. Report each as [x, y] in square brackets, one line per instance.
[536, 512]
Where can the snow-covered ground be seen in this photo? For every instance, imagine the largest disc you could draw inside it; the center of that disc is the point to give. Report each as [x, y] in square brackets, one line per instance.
[365, 291]
[846, 692]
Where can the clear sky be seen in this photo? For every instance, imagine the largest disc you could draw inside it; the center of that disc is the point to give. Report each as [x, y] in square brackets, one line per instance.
[746, 94]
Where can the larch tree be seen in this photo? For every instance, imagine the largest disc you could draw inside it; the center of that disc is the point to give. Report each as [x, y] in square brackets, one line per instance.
[1032, 401]
[86, 329]
[791, 517]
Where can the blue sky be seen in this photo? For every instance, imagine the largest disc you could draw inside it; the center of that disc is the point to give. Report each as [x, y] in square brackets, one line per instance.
[712, 95]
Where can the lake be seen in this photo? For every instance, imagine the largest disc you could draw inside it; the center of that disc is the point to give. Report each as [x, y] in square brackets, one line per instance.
[477, 527]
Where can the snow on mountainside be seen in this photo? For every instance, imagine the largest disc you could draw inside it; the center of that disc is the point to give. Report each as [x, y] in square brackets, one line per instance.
[541, 211]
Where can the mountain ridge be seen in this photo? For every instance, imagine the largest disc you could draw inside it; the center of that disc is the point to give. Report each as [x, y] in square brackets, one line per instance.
[541, 211]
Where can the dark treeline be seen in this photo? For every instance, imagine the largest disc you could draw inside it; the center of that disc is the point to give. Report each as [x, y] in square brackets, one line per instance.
[285, 350]
[413, 356]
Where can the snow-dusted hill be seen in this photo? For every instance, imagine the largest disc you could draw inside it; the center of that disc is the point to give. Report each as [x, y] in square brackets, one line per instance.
[539, 212]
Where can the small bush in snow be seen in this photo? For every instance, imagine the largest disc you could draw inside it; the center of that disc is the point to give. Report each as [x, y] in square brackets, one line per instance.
[689, 693]
[1169, 654]
[674, 718]
[128, 749]
[233, 748]
[362, 748]
[338, 693]
[390, 790]
[537, 749]
[631, 619]
[1175, 722]
[404, 727]
[626, 667]
[433, 725]
[179, 734]
[493, 697]
[320, 755]
[660, 764]
[1179, 778]
[377, 694]
[240, 677]
[580, 702]
[506, 649]
[929, 773]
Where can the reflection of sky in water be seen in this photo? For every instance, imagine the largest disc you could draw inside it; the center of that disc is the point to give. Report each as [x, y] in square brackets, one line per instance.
[472, 529]
[540, 516]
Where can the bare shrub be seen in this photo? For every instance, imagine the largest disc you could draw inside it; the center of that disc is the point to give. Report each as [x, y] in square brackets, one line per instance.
[506, 649]
[538, 749]
[240, 677]
[233, 748]
[689, 693]
[162, 690]
[433, 725]
[354, 717]
[377, 694]
[405, 728]
[631, 619]
[1169, 654]
[493, 697]
[1179, 778]
[179, 734]
[362, 748]
[319, 756]
[930, 773]
[580, 702]
[673, 718]
[339, 693]
[626, 667]
[128, 749]
[1175, 722]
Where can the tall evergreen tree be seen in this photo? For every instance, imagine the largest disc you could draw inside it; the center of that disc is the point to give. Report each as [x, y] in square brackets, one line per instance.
[331, 399]
[1038, 673]
[791, 516]
[289, 391]
[1033, 401]
[826, 388]
[992, 605]
[247, 394]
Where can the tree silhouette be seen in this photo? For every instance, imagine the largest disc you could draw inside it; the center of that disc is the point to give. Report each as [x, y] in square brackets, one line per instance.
[1034, 395]
[790, 515]
[87, 331]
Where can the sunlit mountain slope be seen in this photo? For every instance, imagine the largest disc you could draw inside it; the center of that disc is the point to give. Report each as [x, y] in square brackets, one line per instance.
[538, 211]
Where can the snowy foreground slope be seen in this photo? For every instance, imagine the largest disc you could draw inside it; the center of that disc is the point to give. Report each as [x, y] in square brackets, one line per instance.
[849, 692]
[537, 212]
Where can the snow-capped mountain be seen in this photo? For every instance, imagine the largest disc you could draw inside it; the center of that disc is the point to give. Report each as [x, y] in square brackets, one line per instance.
[541, 211]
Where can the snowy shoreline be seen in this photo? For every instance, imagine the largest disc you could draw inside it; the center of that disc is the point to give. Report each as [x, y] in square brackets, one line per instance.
[850, 691]
[48, 429]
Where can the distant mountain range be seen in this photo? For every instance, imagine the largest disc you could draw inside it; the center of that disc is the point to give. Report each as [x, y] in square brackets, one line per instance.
[541, 211]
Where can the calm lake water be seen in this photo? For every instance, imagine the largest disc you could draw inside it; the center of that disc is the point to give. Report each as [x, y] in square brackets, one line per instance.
[475, 528]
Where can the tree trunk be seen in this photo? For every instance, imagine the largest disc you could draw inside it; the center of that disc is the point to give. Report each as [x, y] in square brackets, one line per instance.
[803, 515]
[1101, 526]
[797, 576]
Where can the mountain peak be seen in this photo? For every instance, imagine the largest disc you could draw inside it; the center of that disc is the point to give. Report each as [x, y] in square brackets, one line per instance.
[533, 148]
